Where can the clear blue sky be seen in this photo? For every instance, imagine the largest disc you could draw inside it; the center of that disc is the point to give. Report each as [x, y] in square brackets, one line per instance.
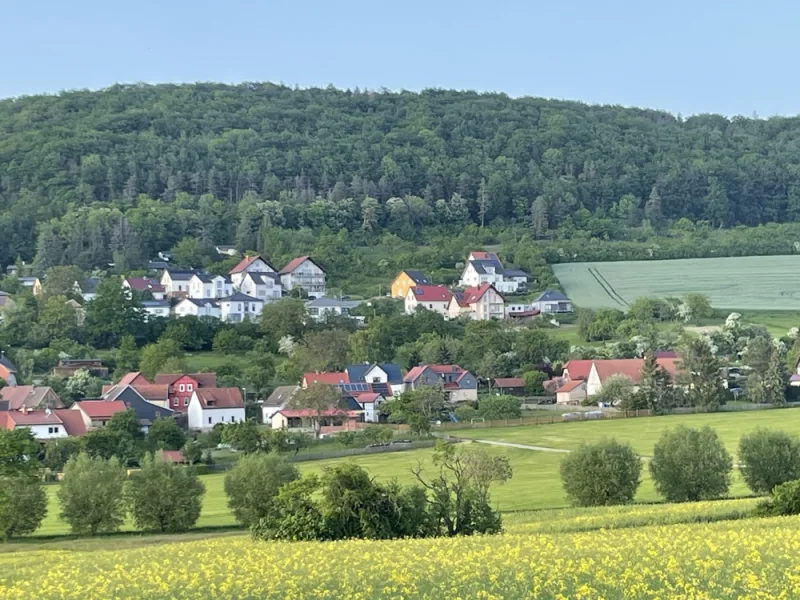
[732, 57]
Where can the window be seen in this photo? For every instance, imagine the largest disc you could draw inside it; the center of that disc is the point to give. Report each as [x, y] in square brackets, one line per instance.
[186, 402]
[209, 420]
[189, 387]
[55, 429]
[49, 430]
[345, 310]
[232, 419]
[176, 402]
[240, 308]
[181, 388]
[376, 380]
[430, 305]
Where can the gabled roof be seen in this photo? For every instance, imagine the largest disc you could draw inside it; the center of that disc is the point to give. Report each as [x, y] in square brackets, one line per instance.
[296, 262]
[578, 369]
[632, 367]
[72, 420]
[483, 255]
[156, 303]
[417, 277]
[141, 284]
[29, 396]
[509, 382]
[481, 265]
[551, 296]
[202, 379]
[326, 378]
[182, 274]
[471, 295]
[369, 397]
[129, 378]
[152, 391]
[514, 273]
[258, 277]
[571, 385]
[414, 373]
[213, 398]
[201, 302]
[431, 293]
[34, 417]
[281, 395]
[240, 297]
[246, 262]
[357, 373]
[100, 409]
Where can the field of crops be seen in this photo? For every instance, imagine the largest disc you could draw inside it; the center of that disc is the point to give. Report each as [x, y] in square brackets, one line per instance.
[749, 282]
[753, 558]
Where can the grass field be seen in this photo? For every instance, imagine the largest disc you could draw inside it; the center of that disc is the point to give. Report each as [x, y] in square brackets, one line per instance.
[749, 282]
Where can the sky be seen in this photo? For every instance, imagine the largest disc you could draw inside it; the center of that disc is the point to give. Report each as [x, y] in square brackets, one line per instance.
[731, 57]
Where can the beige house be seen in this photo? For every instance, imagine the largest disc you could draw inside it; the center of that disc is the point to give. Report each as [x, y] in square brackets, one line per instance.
[431, 297]
[572, 392]
[480, 303]
[628, 367]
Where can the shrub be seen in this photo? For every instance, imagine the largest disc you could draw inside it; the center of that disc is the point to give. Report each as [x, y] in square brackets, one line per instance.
[691, 464]
[785, 500]
[601, 474]
[23, 505]
[253, 484]
[164, 497]
[769, 458]
[91, 494]
[294, 515]
[499, 407]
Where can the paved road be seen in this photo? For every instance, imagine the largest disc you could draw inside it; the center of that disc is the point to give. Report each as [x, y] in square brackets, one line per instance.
[523, 446]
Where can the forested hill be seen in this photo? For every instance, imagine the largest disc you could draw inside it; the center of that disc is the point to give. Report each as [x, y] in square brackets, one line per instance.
[96, 173]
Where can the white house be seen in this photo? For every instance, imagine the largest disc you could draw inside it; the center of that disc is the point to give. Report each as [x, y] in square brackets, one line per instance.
[210, 406]
[371, 403]
[485, 267]
[319, 308]
[432, 297]
[552, 301]
[144, 284]
[264, 286]
[277, 401]
[205, 307]
[239, 307]
[303, 272]
[44, 425]
[249, 264]
[156, 308]
[381, 376]
[479, 303]
[205, 285]
[176, 282]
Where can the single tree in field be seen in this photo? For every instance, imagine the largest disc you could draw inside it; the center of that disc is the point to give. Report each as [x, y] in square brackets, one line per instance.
[91, 494]
[23, 504]
[690, 465]
[768, 458]
[601, 474]
[164, 497]
[253, 484]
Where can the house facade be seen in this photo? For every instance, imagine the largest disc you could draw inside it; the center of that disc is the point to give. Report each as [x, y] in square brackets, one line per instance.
[430, 297]
[210, 406]
[176, 282]
[304, 420]
[601, 370]
[205, 285]
[97, 413]
[266, 287]
[249, 264]
[479, 303]
[44, 425]
[143, 285]
[156, 308]
[485, 267]
[458, 384]
[302, 272]
[552, 301]
[197, 308]
[240, 307]
[571, 393]
[385, 378]
[30, 397]
[277, 400]
[181, 386]
[406, 280]
[321, 307]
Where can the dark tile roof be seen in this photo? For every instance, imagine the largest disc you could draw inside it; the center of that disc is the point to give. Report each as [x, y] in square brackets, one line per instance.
[480, 266]
[240, 297]
[551, 296]
[418, 277]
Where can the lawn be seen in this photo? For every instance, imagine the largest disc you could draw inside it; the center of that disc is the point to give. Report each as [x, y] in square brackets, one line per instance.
[748, 282]
[640, 432]
[211, 361]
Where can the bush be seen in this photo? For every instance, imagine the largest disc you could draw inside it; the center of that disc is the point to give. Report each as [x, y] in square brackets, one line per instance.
[164, 497]
[769, 458]
[294, 515]
[601, 474]
[59, 450]
[785, 500]
[690, 465]
[499, 407]
[91, 494]
[23, 505]
[253, 484]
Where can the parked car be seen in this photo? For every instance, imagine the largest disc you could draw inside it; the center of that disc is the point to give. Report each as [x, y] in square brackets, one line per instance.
[397, 442]
[594, 414]
[573, 416]
[378, 445]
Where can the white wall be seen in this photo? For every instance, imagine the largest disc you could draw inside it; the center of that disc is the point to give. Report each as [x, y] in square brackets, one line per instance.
[46, 432]
[463, 395]
[199, 417]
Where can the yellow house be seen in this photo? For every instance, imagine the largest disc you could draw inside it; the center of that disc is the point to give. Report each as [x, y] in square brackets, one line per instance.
[406, 280]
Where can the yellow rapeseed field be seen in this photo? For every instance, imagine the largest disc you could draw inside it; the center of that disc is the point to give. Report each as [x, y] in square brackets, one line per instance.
[753, 558]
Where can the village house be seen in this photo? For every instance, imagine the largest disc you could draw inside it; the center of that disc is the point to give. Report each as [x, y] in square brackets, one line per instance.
[32, 283]
[601, 370]
[67, 367]
[97, 413]
[181, 386]
[266, 287]
[406, 280]
[176, 281]
[144, 285]
[149, 401]
[509, 386]
[240, 307]
[337, 378]
[302, 272]
[45, 424]
[552, 301]
[210, 406]
[431, 297]
[479, 303]
[31, 397]
[156, 308]
[277, 400]
[8, 372]
[249, 264]
[459, 384]
[320, 308]
[207, 286]
[485, 267]
[572, 392]
[197, 308]
[385, 378]
[305, 420]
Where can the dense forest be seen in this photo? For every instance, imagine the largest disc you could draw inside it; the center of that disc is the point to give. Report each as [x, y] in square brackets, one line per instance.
[88, 178]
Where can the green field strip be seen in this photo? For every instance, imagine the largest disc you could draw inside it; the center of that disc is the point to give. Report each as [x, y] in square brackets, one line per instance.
[611, 287]
[605, 289]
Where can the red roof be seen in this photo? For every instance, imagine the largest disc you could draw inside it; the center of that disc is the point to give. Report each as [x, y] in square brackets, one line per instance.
[142, 284]
[294, 263]
[175, 456]
[152, 391]
[37, 417]
[101, 409]
[213, 397]
[446, 369]
[308, 412]
[509, 382]
[632, 367]
[578, 369]
[327, 378]
[72, 420]
[521, 314]
[471, 295]
[483, 255]
[246, 262]
[414, 373]
[570, 385]
[30, 396]
[368, 397]
[130, 378]
[432, 293]
[450, 385]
